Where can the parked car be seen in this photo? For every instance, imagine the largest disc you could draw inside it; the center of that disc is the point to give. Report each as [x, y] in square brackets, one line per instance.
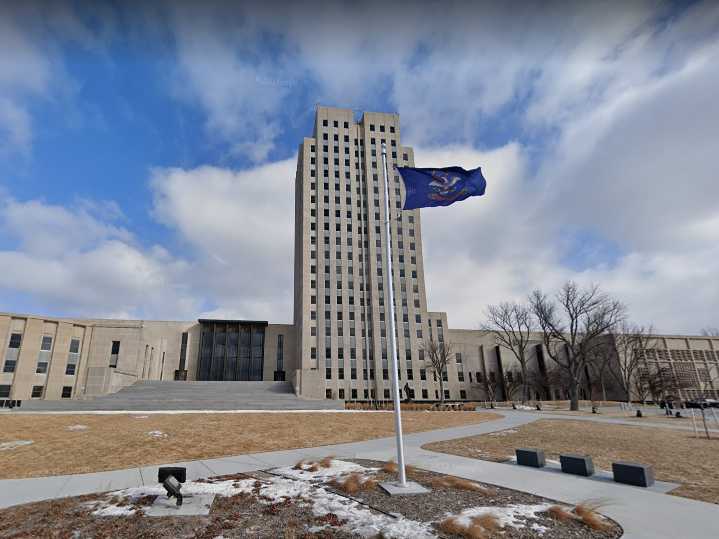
[702, 403]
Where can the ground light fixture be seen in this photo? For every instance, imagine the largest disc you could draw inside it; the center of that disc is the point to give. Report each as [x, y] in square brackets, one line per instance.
[172, 478]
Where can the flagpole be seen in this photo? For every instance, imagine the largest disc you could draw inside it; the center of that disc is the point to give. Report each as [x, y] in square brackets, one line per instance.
[392, 335]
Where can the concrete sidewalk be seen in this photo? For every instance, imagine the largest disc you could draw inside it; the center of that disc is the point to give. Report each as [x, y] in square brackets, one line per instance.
[643, 513]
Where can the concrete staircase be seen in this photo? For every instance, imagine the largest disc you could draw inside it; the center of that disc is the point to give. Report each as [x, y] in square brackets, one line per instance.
[156, 395]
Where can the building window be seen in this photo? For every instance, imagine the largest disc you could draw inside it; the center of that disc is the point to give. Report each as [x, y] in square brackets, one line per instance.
[328, 393]
[425, 394]
[409, 374]
[462, 394]
[280, 372]
[342, 394]
[4, 391]
[341, 373]
[422, 374]
[43, 357]
[114, 353]
[66, 392]
[446, 393]
[37, 392]
[12, 353]
[460, 376]
[73, 357]
[386, 393]
[354, 394]
[328, 373]
[458, 357]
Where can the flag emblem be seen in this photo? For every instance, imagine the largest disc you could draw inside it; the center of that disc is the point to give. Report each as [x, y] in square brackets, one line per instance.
[426, 187]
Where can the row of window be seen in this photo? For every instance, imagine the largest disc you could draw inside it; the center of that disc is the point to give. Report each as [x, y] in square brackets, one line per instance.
[43, 359]
[367, 394]
[36, 393]
[385, 374]
[346, 125]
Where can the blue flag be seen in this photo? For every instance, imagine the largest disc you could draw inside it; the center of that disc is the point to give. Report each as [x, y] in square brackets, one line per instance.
[427, 187]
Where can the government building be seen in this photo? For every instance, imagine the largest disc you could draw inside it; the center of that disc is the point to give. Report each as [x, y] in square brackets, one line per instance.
[337, 347]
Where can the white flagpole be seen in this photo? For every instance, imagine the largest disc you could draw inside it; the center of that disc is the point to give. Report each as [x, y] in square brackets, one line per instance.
[392, 337]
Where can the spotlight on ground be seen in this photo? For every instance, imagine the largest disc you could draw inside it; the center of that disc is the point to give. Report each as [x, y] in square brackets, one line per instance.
[172, 478]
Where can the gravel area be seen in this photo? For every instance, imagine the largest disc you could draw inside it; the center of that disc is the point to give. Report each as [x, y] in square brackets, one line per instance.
[307, 501]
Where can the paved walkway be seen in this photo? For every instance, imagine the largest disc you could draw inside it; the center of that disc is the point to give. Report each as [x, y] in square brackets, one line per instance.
[644, 514]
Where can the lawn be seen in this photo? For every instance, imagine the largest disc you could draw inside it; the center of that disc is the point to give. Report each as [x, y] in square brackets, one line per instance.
[68, 444]
[677, 456]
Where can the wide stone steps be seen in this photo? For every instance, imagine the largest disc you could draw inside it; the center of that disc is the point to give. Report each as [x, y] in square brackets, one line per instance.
[171, 395]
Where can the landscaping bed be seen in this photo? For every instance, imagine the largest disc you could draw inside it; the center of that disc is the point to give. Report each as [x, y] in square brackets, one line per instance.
[676, 455]
[325, 499]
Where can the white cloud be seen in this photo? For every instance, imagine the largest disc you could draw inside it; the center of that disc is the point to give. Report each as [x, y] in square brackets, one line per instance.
[238, 226]
[76, 263]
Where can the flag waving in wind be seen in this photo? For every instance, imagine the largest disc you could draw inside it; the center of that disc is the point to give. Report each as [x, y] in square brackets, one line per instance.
[427, 187]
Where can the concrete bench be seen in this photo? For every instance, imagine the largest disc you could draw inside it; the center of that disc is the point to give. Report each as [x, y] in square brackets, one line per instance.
[577, 464]
[640, 475]
[530, 457]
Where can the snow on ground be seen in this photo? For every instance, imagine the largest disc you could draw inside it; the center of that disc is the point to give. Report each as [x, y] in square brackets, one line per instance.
[6, 446]
[358, 519]
[523, 407]
[157, 434]
[77, 427]
[140, 417]
[512, 515]
[503, 432]
[337, 468]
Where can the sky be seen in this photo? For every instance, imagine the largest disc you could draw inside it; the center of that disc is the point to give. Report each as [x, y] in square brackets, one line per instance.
[147, 153]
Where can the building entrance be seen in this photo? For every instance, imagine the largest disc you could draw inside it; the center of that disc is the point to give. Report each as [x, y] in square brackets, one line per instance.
[231, 350]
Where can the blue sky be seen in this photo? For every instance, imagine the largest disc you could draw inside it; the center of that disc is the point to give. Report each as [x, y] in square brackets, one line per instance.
[141, 148]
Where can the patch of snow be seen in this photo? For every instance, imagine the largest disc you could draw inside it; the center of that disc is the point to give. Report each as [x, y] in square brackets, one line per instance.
[503, 432]
[361, 521]
[296, 485]
[77, 427]
[113, 510]
[337, 468]
[157, 434]
[140, 417]
[6, 446]
[511, 515]
[539, 528]
[523, 407]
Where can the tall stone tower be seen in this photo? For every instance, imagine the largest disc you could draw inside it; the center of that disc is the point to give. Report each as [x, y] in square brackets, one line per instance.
[341, 273]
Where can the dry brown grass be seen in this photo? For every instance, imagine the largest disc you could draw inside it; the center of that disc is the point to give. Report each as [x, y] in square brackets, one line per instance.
[480, 527]
[676, 455]
[354, 483]
[390, 467]
[458, 483]
[121, 441]
[560, 514]
[587, 512]
[488, 521]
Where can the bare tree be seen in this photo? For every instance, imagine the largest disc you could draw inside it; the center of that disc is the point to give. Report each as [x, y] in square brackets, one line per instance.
[631, 343]
[573, 325]
[491, 387]
[710, 332]
[511, 324]
[439, 354]
[599, 364]
[514, 381]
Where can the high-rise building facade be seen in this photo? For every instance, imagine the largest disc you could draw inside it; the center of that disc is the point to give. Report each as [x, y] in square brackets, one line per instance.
[341, 310]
